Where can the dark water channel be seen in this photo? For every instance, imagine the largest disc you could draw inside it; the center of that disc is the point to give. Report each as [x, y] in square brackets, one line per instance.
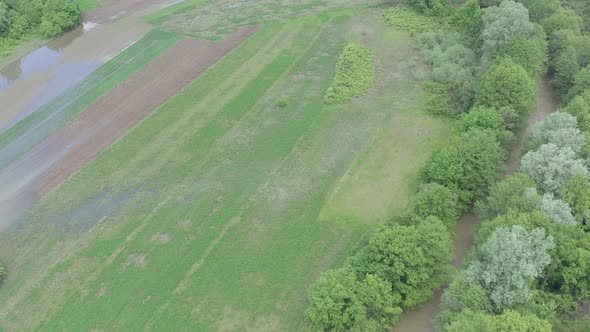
[422, 319]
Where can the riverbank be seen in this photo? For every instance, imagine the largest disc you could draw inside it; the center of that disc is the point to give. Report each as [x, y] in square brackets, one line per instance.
[422, 319]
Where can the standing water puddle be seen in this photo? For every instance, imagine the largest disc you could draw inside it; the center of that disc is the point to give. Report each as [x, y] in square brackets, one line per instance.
[422, 319]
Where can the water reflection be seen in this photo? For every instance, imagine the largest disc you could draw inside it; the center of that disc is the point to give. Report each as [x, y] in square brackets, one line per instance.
[39, 60]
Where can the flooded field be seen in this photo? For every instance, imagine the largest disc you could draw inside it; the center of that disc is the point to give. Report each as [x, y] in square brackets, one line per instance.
[43, 74]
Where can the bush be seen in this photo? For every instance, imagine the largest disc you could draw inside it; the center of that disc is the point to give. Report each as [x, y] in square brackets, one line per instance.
[439, 100]
[405, 19]
[355, 74]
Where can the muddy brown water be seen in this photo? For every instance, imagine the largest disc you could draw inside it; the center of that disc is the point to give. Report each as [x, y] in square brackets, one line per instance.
[422, 319]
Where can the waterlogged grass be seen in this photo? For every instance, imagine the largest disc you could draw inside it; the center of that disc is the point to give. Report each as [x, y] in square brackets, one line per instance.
[355, 74]
[34, 128]
[227, 229]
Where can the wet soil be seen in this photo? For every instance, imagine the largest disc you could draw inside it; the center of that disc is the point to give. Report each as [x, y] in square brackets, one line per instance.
[422, 319]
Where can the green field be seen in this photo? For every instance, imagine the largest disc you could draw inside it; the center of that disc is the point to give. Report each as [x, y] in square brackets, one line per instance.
[220, 209]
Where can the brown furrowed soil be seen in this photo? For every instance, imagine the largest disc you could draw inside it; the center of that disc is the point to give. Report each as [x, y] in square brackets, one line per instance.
[63, 153]
[114, 10]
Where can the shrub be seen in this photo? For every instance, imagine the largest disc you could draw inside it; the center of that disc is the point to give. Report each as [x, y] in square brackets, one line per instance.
[282, 103]
[509, 320]
[405, 19]
[355, 74]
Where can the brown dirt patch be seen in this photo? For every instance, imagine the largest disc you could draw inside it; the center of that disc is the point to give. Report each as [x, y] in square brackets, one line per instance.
[111, 116]
[114, 10]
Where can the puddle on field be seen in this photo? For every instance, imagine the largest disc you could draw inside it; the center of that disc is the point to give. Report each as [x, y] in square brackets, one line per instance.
[29, 83]
[39, 60]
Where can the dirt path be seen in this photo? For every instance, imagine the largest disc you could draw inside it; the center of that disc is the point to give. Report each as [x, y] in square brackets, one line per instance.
[63, 153]
[422, 319]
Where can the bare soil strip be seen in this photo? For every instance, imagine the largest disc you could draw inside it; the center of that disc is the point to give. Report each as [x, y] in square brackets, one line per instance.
[63, 153]
[114, 10]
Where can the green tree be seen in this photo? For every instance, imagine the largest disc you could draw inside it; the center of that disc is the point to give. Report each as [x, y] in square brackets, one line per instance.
[4, 20]
[480, 118]
[468, 20]
[508, 262]
[461, 295]
[562, 20]
[565, 67]
[581, 84]
[552, 167]
[577, 195]
[510, 193]
[509, 320]
[540, 9]
[439, 201]
[502, 23]
[529, 53]
[340, 302]
[413, 259]
[507, 84]
[579, 107]
[468, 165]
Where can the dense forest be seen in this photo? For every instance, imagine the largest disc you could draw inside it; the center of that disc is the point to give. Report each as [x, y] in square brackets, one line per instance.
[20, 19]
[530, 267]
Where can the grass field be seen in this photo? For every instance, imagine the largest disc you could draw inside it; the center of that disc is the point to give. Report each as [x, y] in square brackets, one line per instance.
[219, 210]
[215, 19]
[31, 130]
[88, 5]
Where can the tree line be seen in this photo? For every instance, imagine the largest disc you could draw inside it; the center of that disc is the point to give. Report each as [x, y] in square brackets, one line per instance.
[21, 19]
[531, 261]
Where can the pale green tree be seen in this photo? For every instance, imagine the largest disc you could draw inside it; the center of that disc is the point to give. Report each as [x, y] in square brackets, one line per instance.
[509, 20]
[559, 128]
[557, 210]
[551, 167]
[508, 262]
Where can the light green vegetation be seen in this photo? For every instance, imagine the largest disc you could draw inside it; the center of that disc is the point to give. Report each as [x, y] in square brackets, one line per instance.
[88, 5]
[234, 212]
[66, 106]
[406, 19]
[215, 19]
[355, 74]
